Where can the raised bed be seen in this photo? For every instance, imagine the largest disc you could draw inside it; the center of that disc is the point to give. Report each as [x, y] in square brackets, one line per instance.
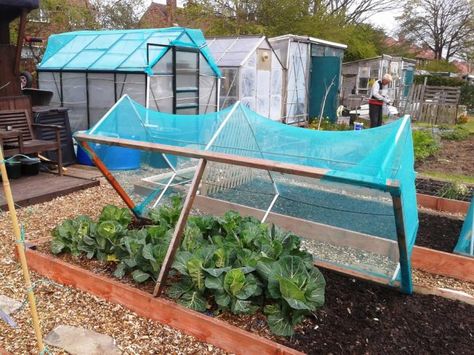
[358, 316]
[435, 188]
[442, 204]
[204, 328]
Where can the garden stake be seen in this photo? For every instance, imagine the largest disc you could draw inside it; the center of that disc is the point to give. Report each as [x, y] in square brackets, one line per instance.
[20, 246]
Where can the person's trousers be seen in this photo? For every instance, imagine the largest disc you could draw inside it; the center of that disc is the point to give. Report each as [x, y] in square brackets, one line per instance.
[375, 114]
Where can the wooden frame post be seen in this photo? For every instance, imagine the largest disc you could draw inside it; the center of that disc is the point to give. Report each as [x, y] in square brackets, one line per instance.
[179, 229]
[20, 247]
[108, 175]
[405, 263]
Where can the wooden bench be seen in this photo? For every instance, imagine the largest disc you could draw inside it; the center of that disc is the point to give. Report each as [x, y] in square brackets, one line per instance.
[21, 120]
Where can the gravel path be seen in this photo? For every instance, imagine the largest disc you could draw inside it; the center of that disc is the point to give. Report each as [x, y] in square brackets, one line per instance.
[58, 304]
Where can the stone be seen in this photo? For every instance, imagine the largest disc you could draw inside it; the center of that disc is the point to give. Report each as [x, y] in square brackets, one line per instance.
[80, 341]
[9, 305]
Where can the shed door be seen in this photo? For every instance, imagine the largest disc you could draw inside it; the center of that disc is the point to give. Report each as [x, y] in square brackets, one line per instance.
[408, 81]
[324, 71]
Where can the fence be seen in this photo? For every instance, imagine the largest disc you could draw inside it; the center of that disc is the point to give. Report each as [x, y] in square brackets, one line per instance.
[433, 104]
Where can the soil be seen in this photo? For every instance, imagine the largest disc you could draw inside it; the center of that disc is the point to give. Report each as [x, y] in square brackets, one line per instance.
[358, 317]
[438, 232]
[454, 157]
[436, 187]
[364, 318]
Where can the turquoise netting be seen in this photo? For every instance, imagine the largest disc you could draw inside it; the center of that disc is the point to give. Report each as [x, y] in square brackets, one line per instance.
[354, 194]
[465, 244]
[119, 50]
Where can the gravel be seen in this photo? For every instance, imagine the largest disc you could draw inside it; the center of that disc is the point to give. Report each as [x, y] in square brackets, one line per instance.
[363, 260]
[59, 304]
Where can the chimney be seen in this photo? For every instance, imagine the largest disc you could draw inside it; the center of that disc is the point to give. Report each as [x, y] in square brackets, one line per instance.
[171, 7]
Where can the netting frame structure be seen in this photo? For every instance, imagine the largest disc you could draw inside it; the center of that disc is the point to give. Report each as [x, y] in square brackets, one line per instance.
[465, 244]
[204, 156]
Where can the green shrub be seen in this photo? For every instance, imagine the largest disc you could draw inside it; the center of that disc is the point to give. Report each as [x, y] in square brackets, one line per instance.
[467, 96]
[459, 133]
[328, 125]
[424, 145]
[438, 80]
[233, 263]
[454, 190]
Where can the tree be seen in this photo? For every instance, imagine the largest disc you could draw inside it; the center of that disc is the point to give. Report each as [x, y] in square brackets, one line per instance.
[118, 14]
[357, 11]
[443, 26]
[56, 16]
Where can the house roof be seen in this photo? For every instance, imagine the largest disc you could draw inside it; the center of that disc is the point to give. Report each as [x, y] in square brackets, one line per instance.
[234, 51]
[119, 50]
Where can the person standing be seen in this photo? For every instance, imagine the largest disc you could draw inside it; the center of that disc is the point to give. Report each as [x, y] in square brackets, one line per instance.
[378, 97]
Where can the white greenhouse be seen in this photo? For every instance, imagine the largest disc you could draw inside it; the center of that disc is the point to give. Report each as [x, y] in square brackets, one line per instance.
[252, 73]
[167, 69]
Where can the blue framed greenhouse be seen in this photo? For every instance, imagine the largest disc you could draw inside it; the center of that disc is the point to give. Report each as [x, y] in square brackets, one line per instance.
[167, 69]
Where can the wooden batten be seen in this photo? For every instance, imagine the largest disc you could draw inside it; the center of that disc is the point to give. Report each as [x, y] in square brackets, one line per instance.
[442, 263]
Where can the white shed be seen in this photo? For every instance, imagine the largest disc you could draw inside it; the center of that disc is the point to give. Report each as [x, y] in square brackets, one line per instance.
[313, 66]
[252, 73]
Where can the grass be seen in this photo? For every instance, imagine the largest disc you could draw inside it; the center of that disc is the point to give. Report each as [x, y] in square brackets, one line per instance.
[469, 125]
[448, 177]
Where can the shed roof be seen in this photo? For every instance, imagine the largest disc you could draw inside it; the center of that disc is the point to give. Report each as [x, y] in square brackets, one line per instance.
[119, 50]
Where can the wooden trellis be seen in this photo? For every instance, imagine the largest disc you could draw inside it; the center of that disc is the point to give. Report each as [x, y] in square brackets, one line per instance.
[433, 104]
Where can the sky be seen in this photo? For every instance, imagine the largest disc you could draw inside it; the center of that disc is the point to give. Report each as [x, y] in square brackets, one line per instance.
[386, 20]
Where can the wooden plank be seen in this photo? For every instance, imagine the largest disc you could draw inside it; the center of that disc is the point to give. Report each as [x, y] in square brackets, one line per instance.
[446, 293]
[44, 187]
[263, 164]
[204, 328]
[307, 229]
[442, 263]
[83, 172]
[179, 228]
[442, 204]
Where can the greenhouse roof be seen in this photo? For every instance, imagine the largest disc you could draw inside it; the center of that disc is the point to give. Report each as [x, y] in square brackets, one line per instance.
[234, 51]
[119, 50]
[309, 40]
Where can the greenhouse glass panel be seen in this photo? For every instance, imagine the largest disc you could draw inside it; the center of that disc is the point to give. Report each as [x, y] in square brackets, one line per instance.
[101, 95]
[75, 98]
[51, 81]
[132, 85]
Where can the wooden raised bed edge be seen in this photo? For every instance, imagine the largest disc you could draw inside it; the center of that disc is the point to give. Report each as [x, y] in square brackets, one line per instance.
[442, 204]
[204, 328]
[442, 263]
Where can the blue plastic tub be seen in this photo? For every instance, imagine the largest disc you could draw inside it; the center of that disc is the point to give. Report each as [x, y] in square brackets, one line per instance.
[114, 158]
[82, 157]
